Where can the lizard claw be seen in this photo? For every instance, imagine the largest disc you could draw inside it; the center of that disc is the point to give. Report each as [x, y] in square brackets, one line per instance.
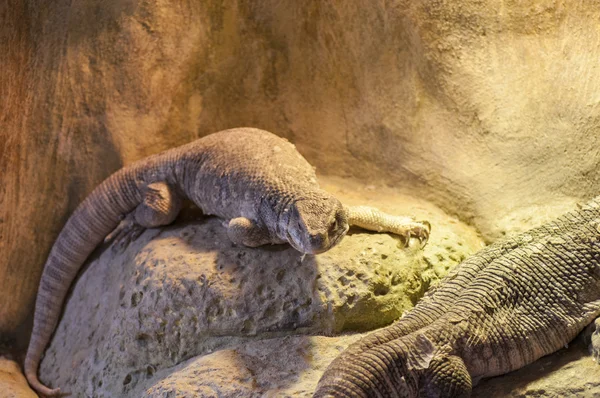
[593, 331]
[126, 232]
[424, 237]
[419, 230]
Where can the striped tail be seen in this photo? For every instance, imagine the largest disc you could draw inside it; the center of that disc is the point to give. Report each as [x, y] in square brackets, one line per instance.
[87, 227]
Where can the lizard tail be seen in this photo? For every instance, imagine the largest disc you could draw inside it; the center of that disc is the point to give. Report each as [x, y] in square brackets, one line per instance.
[89, 224]
[31, 366]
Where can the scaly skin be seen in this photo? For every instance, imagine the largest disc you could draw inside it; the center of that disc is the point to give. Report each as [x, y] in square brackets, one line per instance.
[501, 309]
[257, 181]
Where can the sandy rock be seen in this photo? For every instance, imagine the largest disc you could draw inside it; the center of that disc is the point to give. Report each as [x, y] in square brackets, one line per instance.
[281, 367]
[12, 381]
[186, 290]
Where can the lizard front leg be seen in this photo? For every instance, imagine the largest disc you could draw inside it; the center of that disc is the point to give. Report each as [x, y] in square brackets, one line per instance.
[243, 231]
[160, 206]
[373, 219]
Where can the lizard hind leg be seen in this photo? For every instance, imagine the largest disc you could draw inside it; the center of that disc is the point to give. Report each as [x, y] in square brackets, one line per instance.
[373, 219]
[160, 206]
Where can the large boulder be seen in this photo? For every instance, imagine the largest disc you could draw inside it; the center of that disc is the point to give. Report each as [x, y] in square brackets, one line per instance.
[185, 291]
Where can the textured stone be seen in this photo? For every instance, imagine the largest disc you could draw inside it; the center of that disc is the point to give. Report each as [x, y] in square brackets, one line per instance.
[185, 290]
[281, 367]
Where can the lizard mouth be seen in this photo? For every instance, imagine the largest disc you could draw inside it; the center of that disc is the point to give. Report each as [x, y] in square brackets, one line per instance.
[298, 246]
[293, 243]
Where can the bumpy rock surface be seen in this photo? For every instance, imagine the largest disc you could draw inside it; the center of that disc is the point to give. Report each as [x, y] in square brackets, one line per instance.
[280, 367]
[185, 291]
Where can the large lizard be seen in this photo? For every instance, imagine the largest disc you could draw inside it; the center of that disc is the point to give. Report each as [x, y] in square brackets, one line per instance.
[258, 182]
[508, 305]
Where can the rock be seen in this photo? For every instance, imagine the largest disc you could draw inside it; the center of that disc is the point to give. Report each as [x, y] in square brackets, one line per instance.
[12, 381]
[185, 291]
[280, 367]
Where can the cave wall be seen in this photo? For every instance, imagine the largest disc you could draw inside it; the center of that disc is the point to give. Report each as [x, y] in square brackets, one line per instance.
[490, 109]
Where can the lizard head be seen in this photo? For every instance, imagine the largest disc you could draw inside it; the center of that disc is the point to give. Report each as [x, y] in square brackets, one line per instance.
[316, 223]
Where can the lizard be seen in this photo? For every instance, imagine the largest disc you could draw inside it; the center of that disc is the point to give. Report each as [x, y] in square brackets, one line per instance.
[502, 308]
[258, 183]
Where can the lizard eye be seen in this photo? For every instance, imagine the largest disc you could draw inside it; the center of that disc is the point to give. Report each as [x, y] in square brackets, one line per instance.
[334, 225]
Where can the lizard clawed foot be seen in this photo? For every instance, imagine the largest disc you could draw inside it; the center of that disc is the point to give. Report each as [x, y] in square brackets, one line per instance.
[419, 230]
[372, 219]
[593, 331]
[126, 232]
